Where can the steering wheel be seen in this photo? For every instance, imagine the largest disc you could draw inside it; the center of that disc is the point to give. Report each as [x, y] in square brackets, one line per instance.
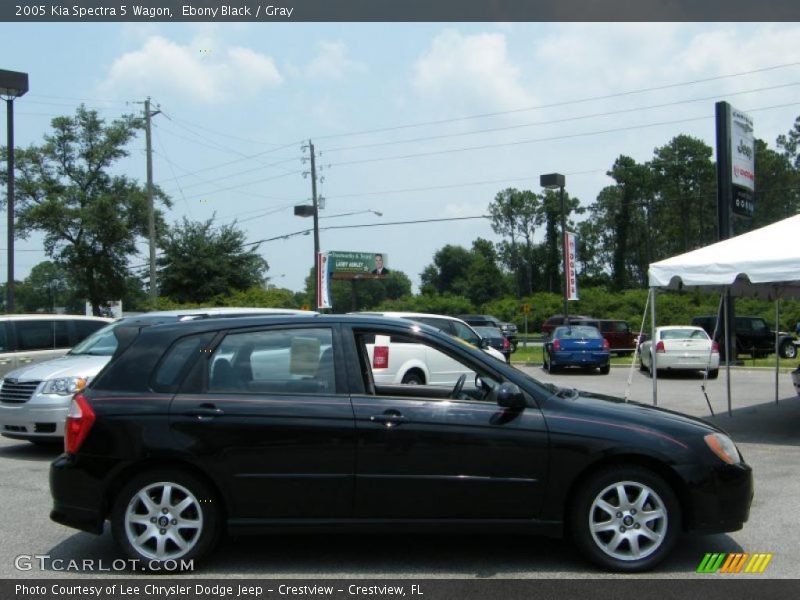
[459, 385]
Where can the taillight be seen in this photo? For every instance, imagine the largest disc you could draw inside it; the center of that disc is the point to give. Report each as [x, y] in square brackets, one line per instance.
[80, 419]
[606, 345]
[660, 347]
[505, 344]
[714, 348]
[380, 357]
[556, 345]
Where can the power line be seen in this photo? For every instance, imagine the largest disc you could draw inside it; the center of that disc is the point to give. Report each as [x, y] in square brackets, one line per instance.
[233, 187]
[544, 139]
[559, 104]
[559, 121]
[235, 137]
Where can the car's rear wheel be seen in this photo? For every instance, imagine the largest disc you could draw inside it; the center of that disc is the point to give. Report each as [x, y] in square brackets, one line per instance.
[788, 349]
[414, 378]
[625, 518]
[163, 516]
[605, 369]
[713, 373]
[551, 368]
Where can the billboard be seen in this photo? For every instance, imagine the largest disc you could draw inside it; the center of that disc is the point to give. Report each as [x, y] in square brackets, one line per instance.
[346, 265]
[743, 163]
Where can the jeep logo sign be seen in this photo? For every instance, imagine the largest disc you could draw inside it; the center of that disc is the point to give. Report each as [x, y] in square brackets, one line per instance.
[742, 150]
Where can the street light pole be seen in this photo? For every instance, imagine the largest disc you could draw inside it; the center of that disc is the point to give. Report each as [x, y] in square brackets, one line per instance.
[553, 181]
[12, 85]
[10, 205]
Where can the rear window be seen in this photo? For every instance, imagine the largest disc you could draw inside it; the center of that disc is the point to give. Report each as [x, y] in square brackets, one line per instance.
[684, 334]
[578, 332]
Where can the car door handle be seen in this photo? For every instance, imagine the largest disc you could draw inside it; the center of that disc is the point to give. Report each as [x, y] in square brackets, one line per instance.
[205, 411]
[390, 418]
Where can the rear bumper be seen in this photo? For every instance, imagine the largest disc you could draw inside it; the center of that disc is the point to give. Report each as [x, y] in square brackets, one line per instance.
[581, 359]
[77, 496]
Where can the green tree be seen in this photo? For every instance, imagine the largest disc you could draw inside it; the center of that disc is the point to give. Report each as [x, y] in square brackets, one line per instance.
[685, 206]
[515, 216]
[790, 144]
[90, 218]
[550, 252]
[200, 261]
[777, 189]
[361, 294]
[472, 273]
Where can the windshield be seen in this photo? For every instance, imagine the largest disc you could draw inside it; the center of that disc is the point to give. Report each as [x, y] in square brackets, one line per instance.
[101, 343]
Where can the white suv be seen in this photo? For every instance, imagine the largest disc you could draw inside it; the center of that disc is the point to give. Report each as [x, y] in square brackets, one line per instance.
[404, 362]
[34, 400]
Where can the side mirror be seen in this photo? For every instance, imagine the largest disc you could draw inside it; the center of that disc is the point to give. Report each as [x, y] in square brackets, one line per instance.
[510, 396]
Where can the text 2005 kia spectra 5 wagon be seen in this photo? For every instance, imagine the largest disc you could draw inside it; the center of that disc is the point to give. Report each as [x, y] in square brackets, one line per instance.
[266, 424]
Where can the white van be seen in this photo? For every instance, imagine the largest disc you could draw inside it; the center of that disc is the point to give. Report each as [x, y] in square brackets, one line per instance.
[29, 339]
[396, 361]
[34, 399]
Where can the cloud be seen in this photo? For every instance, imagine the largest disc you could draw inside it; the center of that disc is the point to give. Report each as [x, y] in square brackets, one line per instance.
[331, 62]
[198, 70]
[474, 67]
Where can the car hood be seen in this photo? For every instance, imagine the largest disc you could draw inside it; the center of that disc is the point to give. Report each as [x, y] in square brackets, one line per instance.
[617, 410]
[76, 365]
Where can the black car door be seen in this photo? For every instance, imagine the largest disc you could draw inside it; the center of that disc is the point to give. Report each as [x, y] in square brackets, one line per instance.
[425, 452]
[266, 415]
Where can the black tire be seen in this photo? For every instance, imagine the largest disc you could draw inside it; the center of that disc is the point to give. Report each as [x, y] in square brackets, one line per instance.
[647, 494]
[713, 373]
[605, 369]
[201, 515]
[551, 368]
[788, 349]
[413, 378]
[513, 344]
[642, 367]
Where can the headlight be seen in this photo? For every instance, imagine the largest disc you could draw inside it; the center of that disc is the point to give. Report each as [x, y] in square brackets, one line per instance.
[723, 446]
[64, 386]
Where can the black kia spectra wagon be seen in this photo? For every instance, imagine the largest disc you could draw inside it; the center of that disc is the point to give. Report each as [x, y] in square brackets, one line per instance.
[271, 424]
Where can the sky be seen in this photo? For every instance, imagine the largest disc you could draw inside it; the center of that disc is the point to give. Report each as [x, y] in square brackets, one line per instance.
[416, 121]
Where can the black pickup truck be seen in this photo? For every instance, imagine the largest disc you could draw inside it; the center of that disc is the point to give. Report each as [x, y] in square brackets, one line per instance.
[753, 336]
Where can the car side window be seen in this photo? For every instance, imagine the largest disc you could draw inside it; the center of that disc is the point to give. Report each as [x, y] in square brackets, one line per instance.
[421, 369]
[3, 341]
[176, 359]
[35, 335]
[85, 328]
[466, 334]
[282, 361]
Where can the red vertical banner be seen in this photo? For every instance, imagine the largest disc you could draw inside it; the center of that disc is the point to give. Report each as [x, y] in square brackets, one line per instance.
[571, 245]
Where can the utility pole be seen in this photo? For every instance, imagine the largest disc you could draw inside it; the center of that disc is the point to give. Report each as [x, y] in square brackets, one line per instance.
[315, 204]
[151, 215]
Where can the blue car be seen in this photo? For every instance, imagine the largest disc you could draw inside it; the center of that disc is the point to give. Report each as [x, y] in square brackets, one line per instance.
[576, 346]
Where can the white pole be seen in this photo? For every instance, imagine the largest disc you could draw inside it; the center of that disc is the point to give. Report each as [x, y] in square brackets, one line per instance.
[728, 353]
[653, 361]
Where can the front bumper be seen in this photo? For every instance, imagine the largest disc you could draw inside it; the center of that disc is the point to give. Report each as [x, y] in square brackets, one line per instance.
[36, 418]
[717, 500]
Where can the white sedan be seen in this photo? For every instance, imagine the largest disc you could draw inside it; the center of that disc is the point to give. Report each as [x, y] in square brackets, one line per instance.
[681, 347]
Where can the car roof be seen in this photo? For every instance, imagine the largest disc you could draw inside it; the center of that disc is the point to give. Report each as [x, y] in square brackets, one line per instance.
[667, 327]
[50, 317]
[405, 315]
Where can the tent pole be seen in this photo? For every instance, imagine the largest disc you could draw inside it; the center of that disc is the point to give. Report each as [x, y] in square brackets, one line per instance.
[728, 346]
[777, 353]
[653, 354]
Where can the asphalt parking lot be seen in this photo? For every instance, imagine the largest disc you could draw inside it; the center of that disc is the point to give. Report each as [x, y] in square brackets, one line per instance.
[768, 435]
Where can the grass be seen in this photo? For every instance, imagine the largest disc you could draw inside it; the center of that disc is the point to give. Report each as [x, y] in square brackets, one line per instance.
[533, 354]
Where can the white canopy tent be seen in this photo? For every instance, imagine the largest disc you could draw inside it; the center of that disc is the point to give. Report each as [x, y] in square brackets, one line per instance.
[764, 263]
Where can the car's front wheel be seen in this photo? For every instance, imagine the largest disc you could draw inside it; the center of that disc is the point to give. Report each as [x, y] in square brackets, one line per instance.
[625, 519]
[165, 515]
